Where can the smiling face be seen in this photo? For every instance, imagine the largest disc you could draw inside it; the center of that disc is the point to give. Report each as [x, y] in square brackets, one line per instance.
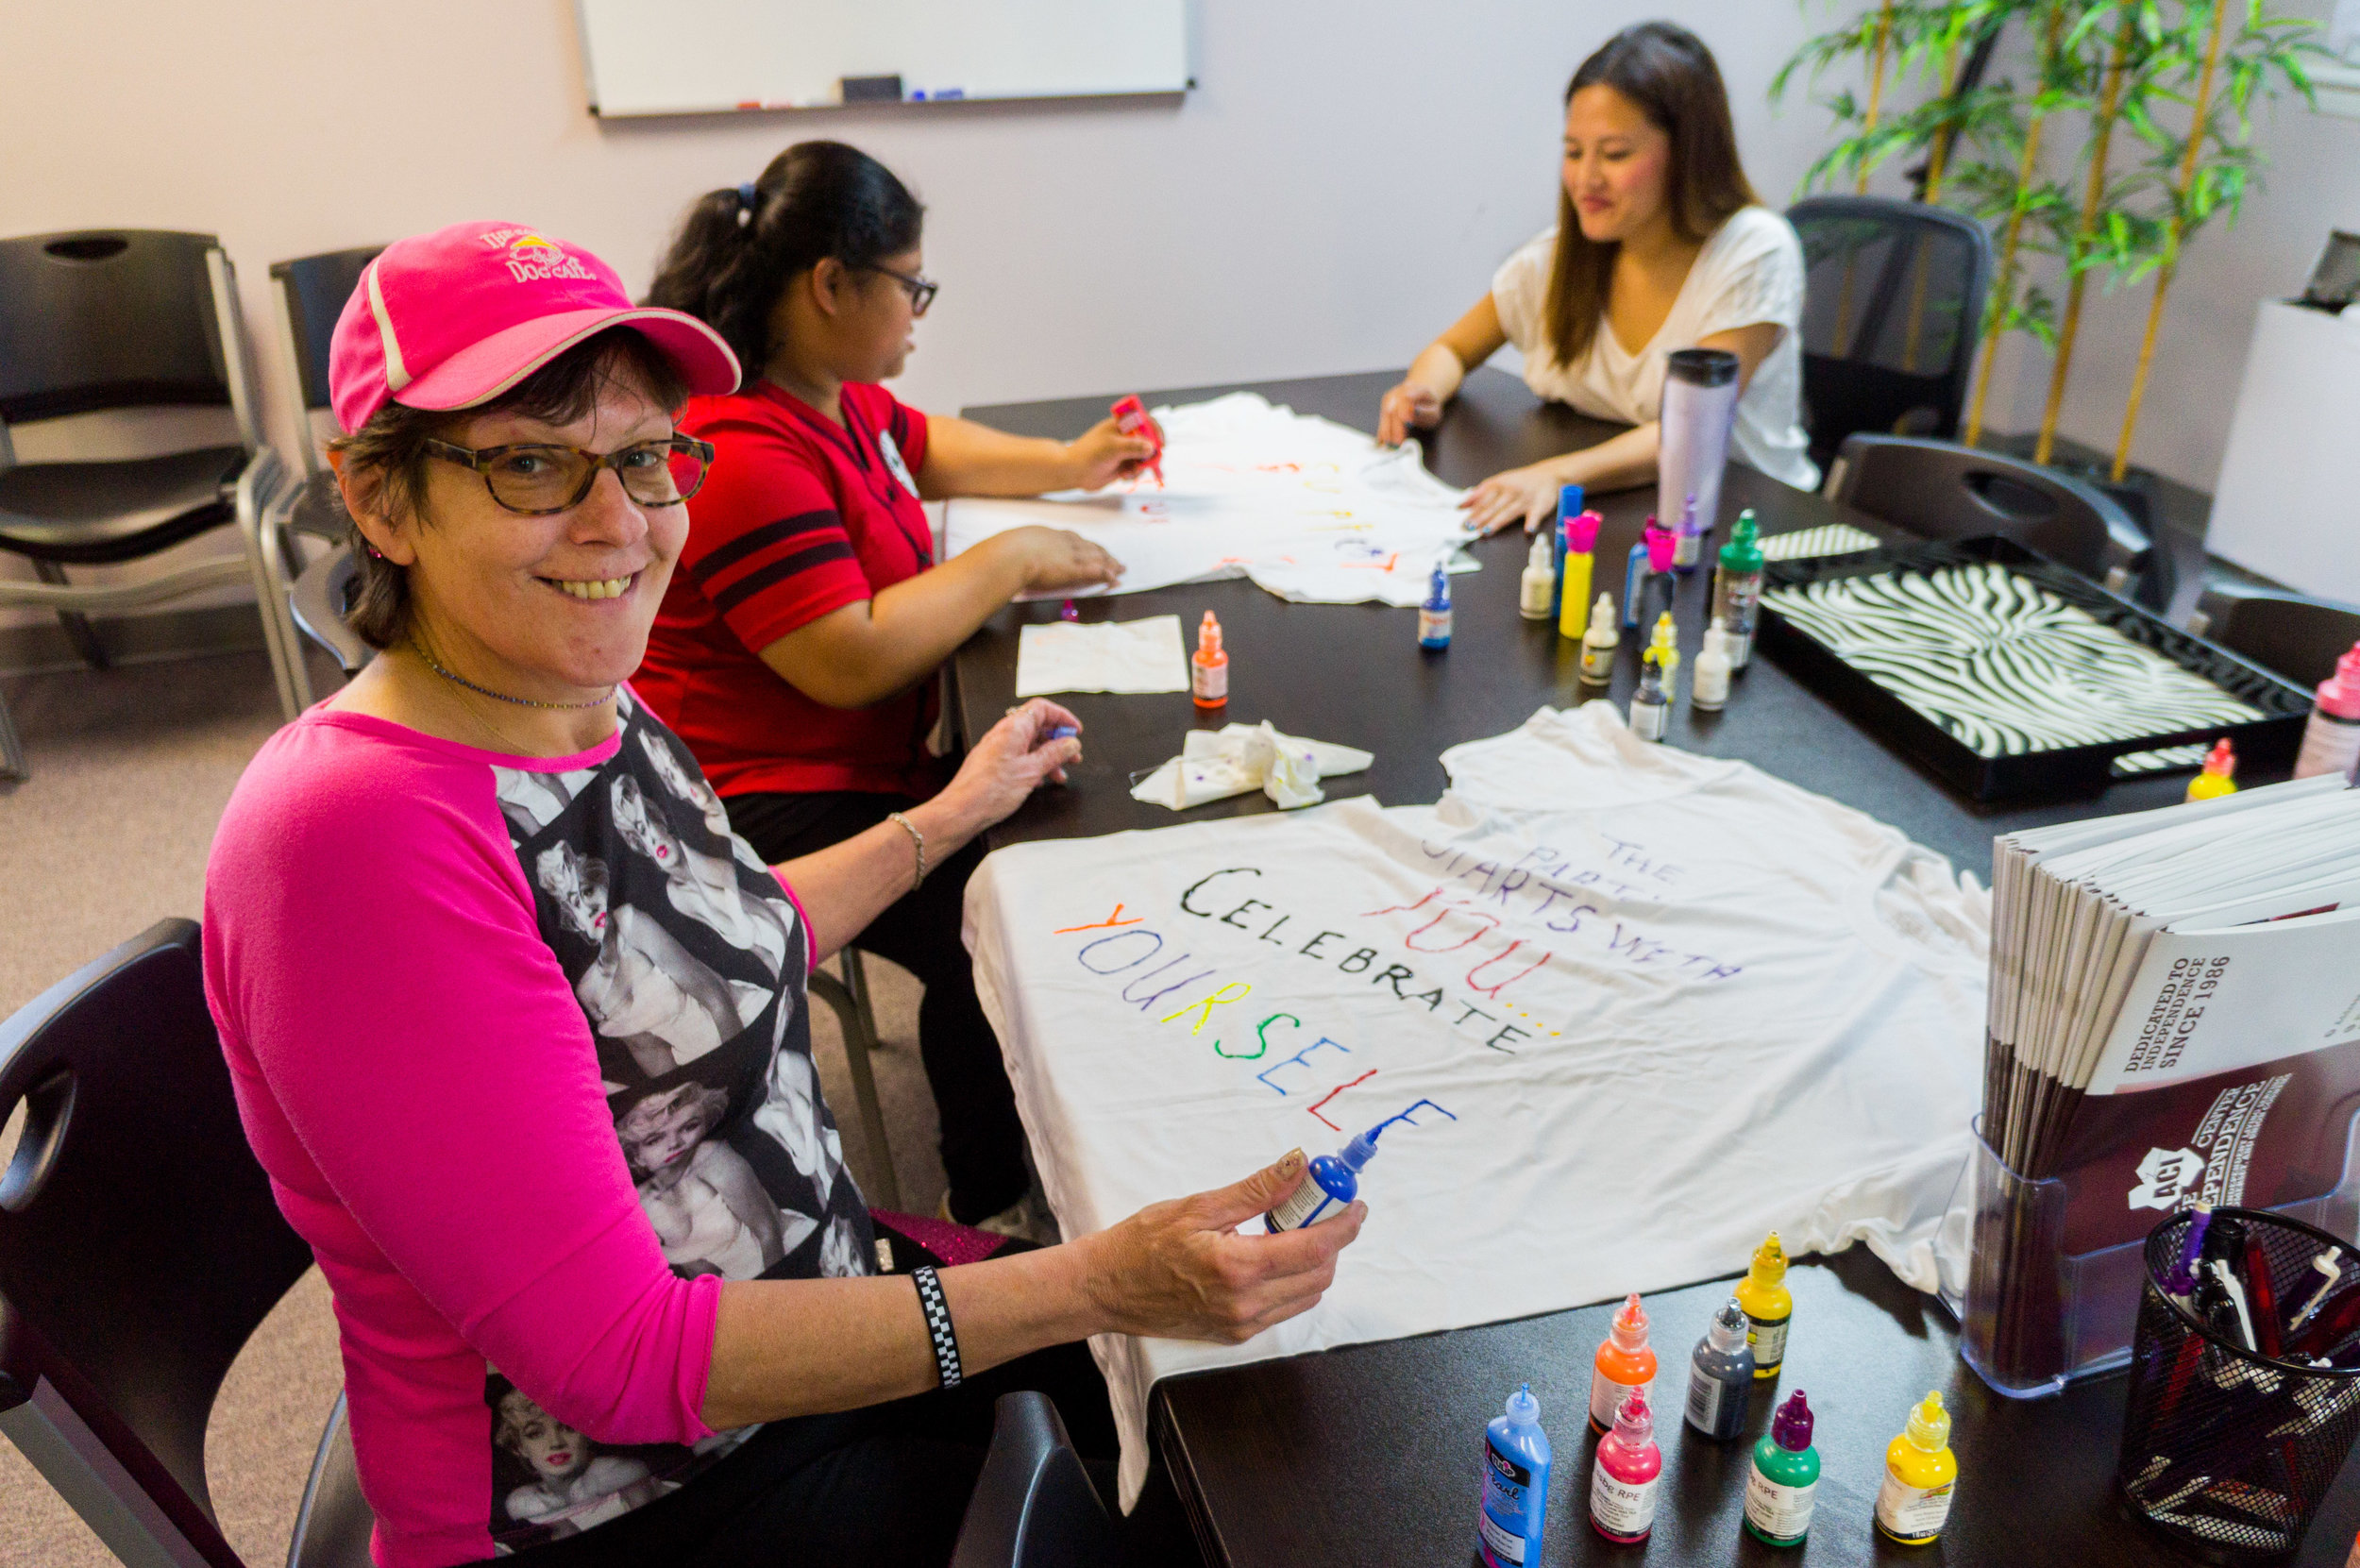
[1617, 165]
[554, 608]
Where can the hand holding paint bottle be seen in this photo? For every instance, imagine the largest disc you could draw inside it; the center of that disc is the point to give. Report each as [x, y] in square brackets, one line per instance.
[1329, 1187]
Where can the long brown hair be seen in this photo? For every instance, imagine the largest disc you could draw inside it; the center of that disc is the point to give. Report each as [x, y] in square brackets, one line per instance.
[1667, 72]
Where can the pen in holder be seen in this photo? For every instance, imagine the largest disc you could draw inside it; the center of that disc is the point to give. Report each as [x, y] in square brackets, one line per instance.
[2233, 1435]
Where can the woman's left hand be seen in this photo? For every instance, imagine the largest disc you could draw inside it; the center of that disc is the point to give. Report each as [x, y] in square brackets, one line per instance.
[1103, 454]
[1528, 495]
[1009, 762]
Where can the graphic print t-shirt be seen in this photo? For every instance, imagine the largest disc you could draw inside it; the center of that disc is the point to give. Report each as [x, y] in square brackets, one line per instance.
[592, 1034]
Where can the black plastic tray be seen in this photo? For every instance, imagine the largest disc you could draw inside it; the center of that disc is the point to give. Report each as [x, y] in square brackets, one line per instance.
[2262, 745]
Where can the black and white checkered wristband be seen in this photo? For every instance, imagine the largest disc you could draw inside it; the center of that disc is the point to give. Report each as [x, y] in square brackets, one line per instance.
[938, 1325]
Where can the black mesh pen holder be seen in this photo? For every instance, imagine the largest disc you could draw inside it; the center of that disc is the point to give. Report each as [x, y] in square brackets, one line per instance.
[2225, 1451]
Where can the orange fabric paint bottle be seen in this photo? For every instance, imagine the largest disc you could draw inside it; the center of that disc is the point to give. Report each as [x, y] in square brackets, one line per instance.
[1623, 1362]
[1209, 672]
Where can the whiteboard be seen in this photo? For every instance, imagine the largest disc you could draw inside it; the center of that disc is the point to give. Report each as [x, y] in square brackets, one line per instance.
[701, 56]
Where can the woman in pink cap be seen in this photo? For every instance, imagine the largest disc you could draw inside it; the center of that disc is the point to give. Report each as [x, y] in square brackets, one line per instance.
[550, 1123]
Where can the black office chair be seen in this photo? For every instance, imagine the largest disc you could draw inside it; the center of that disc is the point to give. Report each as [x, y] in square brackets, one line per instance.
[319, 602]
[139, 1249]
[1941, 490]
[1033, 1506]
[311, 293]
[1892, 302]
[97, 329]
[2299, 636]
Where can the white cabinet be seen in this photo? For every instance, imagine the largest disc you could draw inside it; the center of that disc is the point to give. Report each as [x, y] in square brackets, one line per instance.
[2288, 503]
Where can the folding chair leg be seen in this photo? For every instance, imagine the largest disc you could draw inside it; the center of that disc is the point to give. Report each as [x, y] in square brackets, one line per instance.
[859, 1029]
[11, 750]
[78, 629]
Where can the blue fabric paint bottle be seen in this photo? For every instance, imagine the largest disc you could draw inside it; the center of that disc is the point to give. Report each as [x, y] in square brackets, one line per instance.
[1515, 1484]
[1434, 615]
[1569, 501]
[1331, 1184]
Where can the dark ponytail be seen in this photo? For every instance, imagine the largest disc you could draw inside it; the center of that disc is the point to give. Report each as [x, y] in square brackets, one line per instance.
[741, 246]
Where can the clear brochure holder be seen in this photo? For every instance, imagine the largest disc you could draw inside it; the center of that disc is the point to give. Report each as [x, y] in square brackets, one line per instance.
[2033, 1316]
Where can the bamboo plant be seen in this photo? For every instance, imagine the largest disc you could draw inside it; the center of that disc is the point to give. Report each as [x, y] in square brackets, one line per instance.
[2107, 69]
[2219, 61]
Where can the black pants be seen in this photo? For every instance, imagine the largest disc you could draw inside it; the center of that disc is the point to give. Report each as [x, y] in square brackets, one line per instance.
[983, 1141]
[886, 1485]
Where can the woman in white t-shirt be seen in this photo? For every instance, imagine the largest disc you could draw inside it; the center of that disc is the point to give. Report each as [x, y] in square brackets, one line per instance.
[1660, 245]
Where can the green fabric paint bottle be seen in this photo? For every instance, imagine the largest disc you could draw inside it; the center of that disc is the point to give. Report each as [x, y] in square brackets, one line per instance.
[1785, 1473]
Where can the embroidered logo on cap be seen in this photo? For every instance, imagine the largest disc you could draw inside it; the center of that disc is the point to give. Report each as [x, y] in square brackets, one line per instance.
[530, 258]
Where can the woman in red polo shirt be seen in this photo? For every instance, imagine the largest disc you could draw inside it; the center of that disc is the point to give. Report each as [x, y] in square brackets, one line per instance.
[797, 646]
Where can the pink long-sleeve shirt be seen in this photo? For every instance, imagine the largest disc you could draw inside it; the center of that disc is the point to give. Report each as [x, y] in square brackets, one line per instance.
[522, 1045]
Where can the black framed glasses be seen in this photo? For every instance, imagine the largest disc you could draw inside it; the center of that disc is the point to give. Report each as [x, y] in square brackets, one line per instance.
[920, 289]
[536, 479]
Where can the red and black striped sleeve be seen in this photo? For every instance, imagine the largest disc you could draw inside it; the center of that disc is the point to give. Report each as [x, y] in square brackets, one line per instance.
[766, 545]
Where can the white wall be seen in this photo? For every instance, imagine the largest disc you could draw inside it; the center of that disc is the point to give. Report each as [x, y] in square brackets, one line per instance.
[1337, 191]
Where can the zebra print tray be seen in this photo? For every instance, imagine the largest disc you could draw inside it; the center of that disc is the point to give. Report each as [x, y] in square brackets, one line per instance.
[2009, 677]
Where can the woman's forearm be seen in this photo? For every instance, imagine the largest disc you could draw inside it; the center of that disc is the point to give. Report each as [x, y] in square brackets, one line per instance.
[784, 1348]
[866, 652]
[1437, 369]
[1620, 464]
[850, 884]
[966, 459]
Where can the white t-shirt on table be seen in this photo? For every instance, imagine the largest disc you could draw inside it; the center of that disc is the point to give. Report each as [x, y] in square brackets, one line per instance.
[1749, 272]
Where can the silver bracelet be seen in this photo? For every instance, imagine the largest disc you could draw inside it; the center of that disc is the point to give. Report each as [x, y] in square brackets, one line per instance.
[939, 1329]
[918, 841]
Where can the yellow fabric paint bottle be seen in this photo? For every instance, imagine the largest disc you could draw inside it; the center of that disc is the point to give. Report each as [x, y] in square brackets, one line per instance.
[1921, 1477]
[1581, 537]
[1769, 1306]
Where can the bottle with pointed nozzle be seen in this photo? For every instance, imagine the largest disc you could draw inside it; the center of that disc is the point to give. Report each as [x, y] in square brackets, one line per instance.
[1779, 1490]
[1623, 1362]
[1769, 1306]
[1515, 1484]
[1921, 1477]
[1721, 1375]
[1623, 1483]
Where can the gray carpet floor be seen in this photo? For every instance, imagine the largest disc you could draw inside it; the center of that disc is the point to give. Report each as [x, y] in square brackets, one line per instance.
[129, 770]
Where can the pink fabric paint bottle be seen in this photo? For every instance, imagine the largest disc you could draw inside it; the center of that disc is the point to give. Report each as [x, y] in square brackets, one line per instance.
[2331, 741]
[1623, 1483]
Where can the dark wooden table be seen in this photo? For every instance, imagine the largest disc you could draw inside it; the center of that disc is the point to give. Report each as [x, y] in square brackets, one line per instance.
[1367, 1454]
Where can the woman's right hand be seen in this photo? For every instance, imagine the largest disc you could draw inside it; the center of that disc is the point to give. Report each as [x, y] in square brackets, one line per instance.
[1179, 1269]
[1058, 560]
[1409, 406]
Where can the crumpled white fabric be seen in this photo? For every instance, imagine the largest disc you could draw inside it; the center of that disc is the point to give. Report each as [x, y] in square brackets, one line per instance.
[1238, 758]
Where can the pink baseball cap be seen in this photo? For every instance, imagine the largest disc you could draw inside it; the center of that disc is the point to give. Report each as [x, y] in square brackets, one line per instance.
[452, 319]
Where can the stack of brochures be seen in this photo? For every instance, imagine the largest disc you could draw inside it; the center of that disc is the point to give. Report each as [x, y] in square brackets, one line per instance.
[2174, 1019]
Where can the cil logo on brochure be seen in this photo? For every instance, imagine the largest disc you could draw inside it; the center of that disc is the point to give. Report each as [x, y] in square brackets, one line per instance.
[530, 258]
[2220, 1154]
[2169, 1179]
